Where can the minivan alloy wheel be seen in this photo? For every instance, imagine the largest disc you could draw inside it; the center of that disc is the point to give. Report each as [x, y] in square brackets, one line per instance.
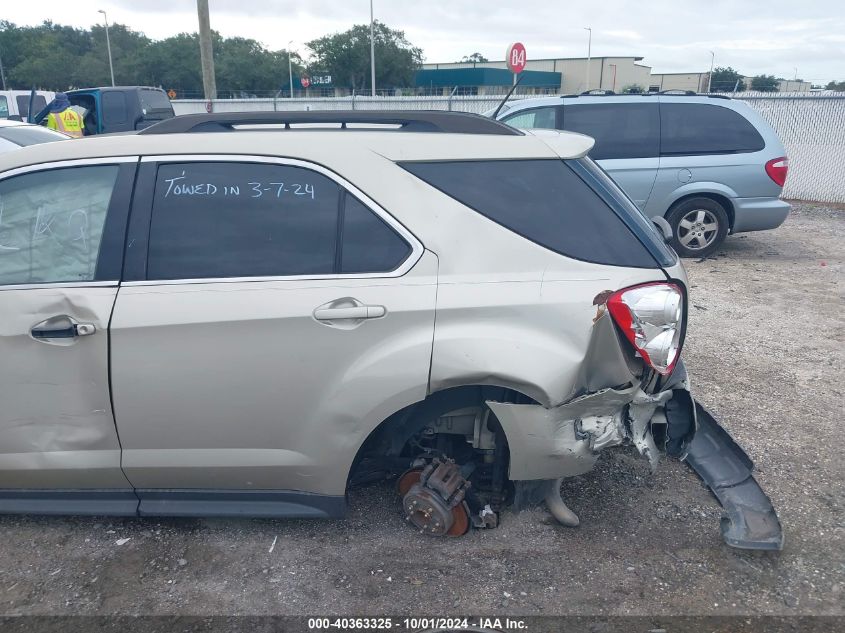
[698, 229]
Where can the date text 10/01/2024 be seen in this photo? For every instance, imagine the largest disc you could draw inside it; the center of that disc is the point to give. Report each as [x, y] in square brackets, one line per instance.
[418, 624]
[252, 189]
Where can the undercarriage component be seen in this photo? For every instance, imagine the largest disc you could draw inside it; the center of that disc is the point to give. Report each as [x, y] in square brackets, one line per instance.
[435, 502]
[750, 520]
[559, 510]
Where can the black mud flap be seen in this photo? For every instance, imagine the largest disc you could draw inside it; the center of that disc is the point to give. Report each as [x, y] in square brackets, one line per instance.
[750, 521]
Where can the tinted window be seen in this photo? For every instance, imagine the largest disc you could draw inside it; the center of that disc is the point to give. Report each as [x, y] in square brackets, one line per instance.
[38, 104]
[543, 201]
[4, 107]
[621, 130]
[369, 244]
[114, 108]
[241, 220]
[51, 224]
[533, 118]
[698, 128]
[24, 135]
[154, 100]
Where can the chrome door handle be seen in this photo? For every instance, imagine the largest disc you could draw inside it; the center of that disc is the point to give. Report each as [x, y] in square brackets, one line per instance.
[349, 312]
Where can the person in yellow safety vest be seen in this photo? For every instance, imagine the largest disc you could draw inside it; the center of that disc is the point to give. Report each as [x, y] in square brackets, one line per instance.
[63, 119]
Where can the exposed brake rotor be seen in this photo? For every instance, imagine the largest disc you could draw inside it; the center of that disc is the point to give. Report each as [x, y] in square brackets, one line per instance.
[433, 499]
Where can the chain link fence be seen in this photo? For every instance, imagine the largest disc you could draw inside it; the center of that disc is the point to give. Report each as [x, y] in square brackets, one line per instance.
[811, 126]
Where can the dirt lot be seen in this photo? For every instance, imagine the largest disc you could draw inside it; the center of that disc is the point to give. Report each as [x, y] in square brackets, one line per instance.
[765, 351]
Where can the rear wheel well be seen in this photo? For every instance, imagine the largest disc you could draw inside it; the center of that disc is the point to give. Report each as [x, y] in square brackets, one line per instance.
[389, 442]
[716, 197]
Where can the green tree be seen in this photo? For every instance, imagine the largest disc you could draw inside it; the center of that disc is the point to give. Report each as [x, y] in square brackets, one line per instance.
[475, 58]
[346, 57]
[765, 83]
[725, 80]
[838, 86]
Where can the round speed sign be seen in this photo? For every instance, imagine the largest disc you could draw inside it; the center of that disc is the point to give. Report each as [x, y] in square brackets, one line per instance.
[516, 57]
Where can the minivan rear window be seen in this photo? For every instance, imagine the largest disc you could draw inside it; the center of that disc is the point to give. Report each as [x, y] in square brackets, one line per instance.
[699, 128]
[542, 200]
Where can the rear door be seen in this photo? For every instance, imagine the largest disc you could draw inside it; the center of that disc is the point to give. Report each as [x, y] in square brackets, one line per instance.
[627, 137]
[275, 311]
[62, 228]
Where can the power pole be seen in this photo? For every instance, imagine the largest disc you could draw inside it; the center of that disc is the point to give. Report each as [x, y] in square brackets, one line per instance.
[209, 84]
[2, 74]
[589, 55]
[710, 74]
[372, 55]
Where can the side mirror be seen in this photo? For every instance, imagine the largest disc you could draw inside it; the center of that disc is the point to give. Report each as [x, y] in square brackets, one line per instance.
[15, 117]
[663, 226]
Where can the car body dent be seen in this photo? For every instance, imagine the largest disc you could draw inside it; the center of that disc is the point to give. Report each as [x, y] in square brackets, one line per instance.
[56, 419]
[562, 441]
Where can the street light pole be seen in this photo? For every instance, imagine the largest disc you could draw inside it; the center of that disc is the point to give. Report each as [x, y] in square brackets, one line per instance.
[589, 46]
[108, 44]
[372, 55]
[710, 75]
[290, 70]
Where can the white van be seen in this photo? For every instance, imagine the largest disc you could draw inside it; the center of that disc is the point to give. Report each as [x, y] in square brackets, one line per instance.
[15, 103]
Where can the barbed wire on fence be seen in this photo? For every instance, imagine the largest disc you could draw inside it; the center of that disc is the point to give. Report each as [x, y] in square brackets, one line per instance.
[811, 126]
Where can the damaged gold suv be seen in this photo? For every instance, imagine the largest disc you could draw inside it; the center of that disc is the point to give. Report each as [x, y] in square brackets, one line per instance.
[245, 314]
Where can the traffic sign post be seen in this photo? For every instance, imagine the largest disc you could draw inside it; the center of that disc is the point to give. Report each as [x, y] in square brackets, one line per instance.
[516, 58]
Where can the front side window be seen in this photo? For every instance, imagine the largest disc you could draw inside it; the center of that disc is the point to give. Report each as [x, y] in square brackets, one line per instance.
[533, 118]
[542, 200]
[4, 108]
[241, 220]
[621, 130]
[51, 224]
[689, 129]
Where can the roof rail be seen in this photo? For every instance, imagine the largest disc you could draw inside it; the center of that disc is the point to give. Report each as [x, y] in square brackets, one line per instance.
[676, 91]
[598, 93]
[425, 121]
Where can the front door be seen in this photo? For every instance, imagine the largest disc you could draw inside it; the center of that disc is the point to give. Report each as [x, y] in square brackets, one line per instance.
[281, 314]
[61, 244]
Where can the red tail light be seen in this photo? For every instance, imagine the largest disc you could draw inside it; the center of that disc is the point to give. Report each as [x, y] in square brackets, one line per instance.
[777, 168]
[651, 317]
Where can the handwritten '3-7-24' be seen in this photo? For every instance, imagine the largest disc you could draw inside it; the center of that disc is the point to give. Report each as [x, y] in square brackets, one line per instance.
[175, 187]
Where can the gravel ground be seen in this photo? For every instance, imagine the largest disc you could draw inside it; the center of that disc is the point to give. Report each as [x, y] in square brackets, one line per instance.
[764, 350]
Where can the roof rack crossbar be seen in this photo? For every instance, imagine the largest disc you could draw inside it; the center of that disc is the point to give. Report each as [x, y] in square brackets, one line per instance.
[423, 121]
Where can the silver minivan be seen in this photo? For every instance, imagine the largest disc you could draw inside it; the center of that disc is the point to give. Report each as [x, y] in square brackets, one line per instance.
[709, 164]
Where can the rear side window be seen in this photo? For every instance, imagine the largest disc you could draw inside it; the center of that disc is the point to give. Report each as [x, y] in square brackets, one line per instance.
[51, 224]
[699, 128]
[114, 108]
[621, 130]
[368, 244]
[241, 220]
[544, 201]
[533, 118]
[38, 104]
[154, 100]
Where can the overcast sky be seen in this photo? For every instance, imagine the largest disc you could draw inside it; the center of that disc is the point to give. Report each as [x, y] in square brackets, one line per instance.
[754, 36]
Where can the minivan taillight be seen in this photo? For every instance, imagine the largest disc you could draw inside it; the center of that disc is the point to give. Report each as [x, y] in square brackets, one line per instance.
[777, 168]
[651, 317]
